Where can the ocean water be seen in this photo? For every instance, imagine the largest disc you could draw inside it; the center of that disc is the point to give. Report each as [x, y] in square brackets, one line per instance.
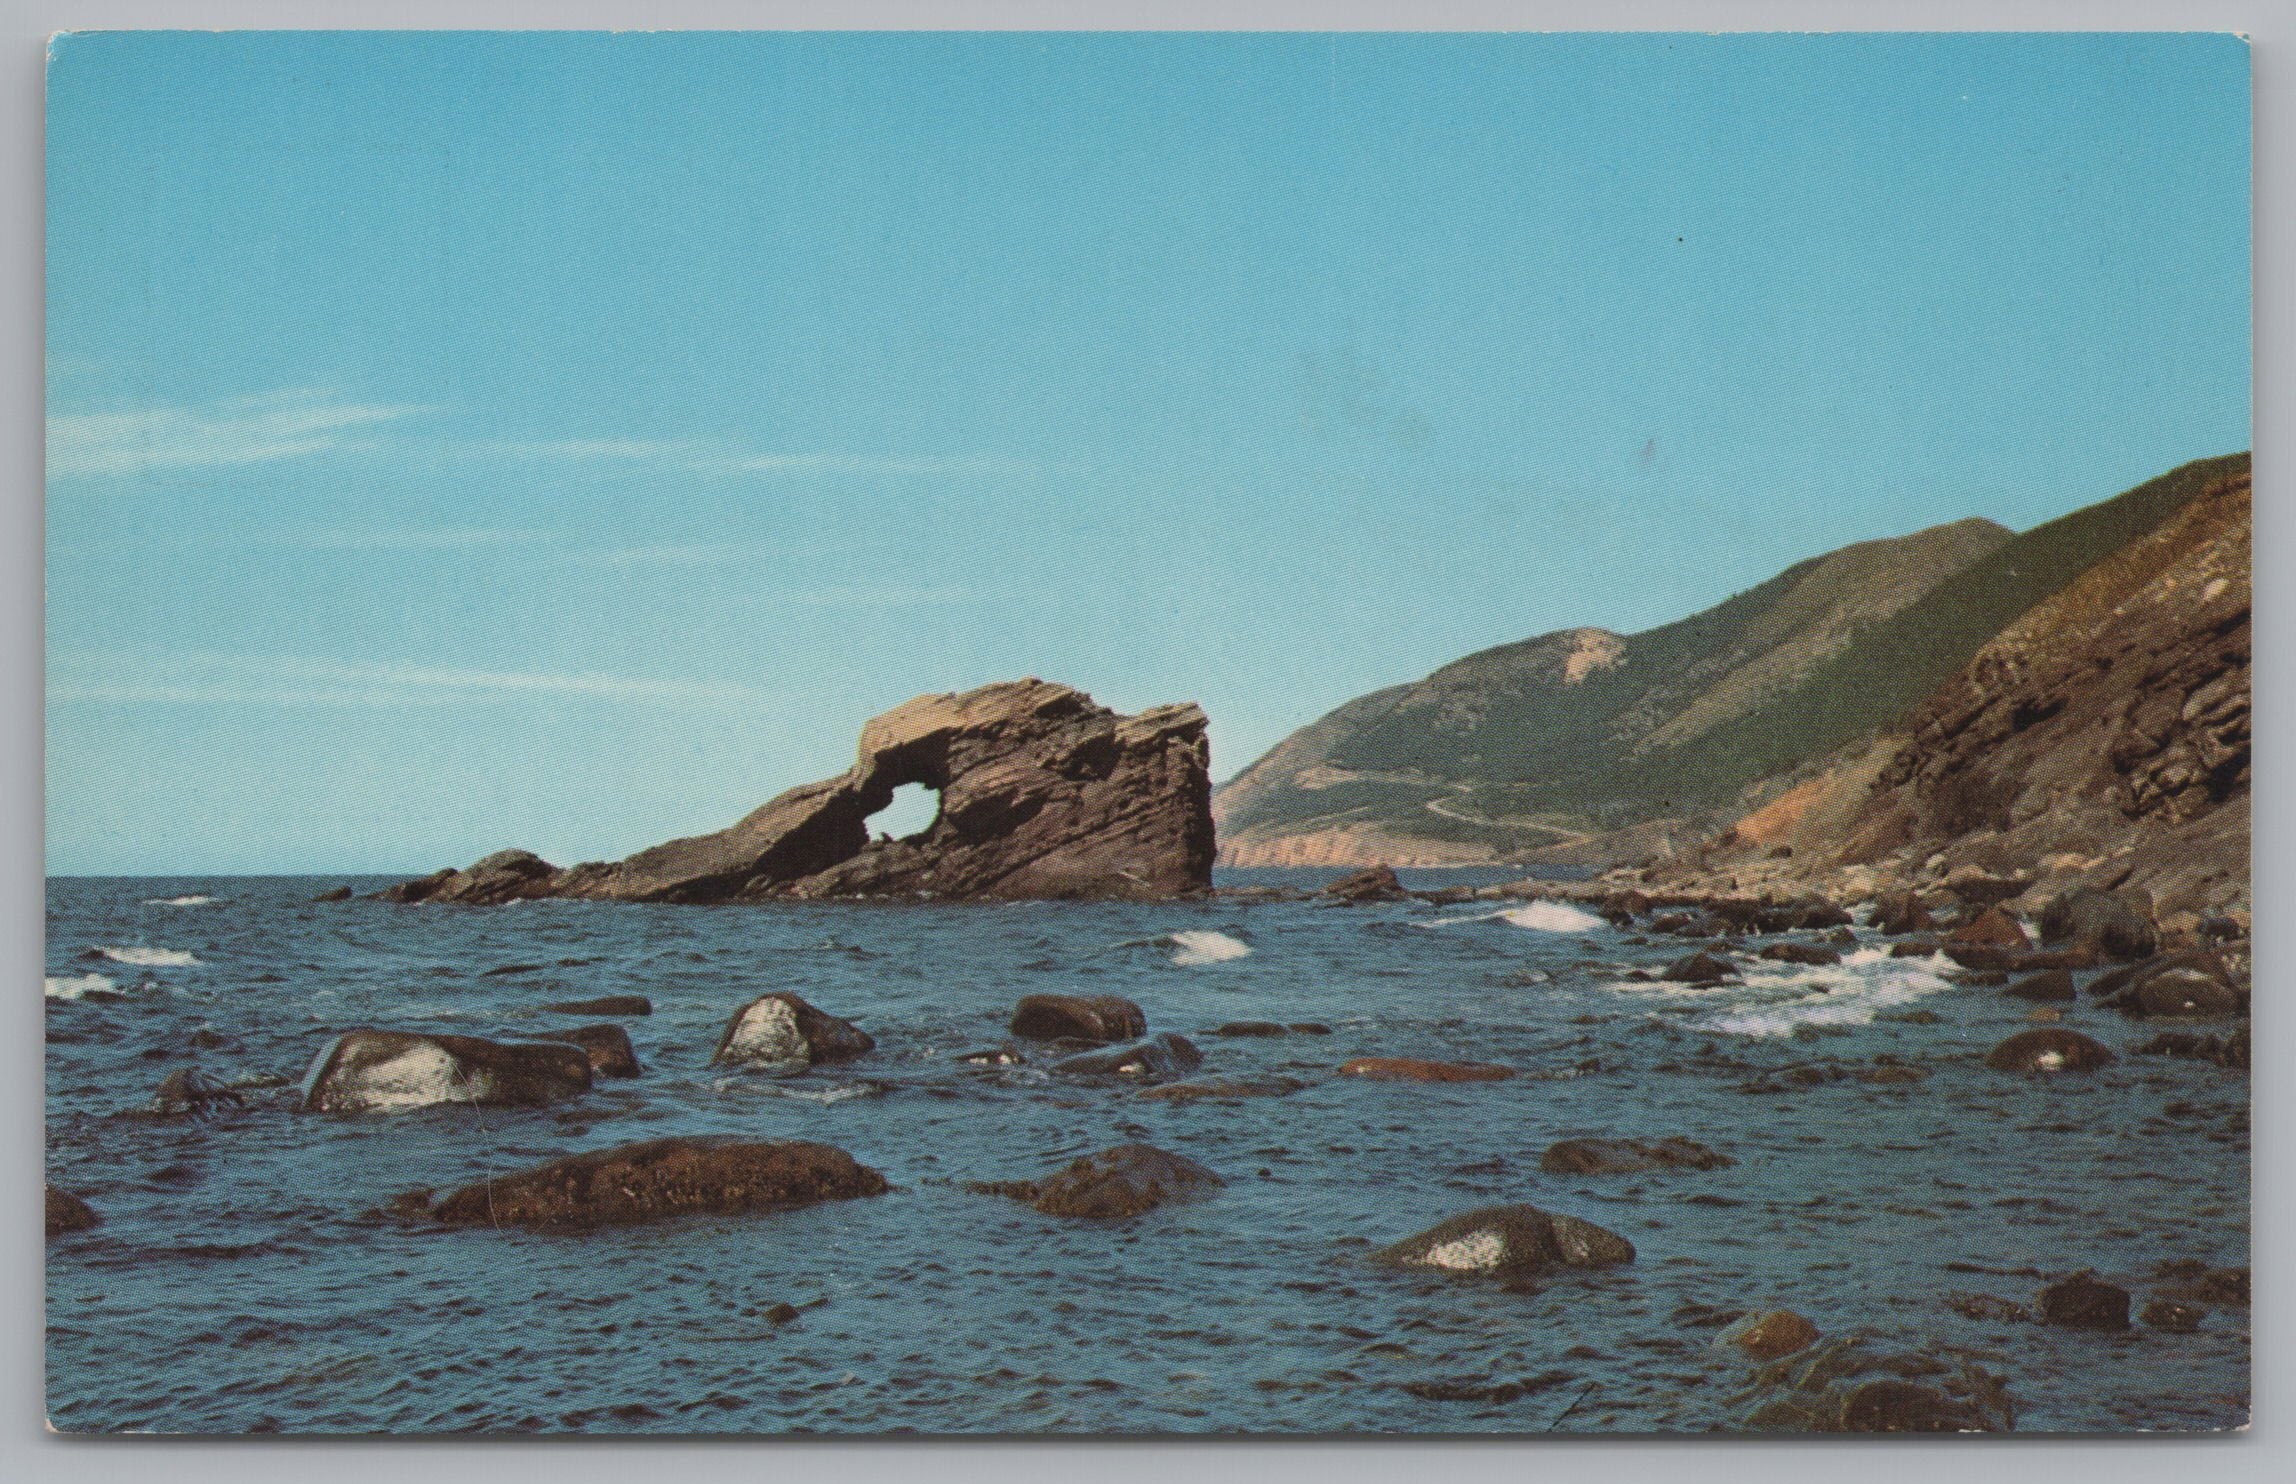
[246, 1279]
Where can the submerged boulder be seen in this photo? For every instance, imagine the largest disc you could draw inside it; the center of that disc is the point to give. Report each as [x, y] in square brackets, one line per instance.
[1115, 1184]
[1045, 794]
[374, 1070]
[190, 1092]
[1149, 1059]
[1413, 1069]
[782, 1029]
[1509, 1241]
[1629, 1156]
[1097, 1019]
[2049, 984]
[662, 1178]
[1855, 1385]
[2049, 1049]
[67, 1213]
[1814, 954]
[1771, 1336]
[608, 1047]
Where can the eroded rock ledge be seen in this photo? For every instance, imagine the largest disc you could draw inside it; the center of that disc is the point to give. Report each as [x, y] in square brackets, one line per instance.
[1044, 794]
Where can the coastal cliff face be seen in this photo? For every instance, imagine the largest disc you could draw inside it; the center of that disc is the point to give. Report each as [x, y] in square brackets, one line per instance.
[1590, 749]
[1044, 794]
[2101, 740]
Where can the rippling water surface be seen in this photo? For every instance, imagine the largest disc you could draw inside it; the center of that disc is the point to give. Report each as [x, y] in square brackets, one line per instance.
[243, 1278]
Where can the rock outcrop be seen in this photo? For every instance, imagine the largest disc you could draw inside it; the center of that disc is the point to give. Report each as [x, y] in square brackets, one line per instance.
[2049, 1049]
[372, 1070]
[1150, 1059]
[1629, 1156]
[608, 1047]
[662, 1178]
[1044, 795]
[1417, 1069]
[1094, 1019]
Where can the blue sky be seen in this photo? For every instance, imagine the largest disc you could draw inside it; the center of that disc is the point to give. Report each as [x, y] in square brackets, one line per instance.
[569, 440]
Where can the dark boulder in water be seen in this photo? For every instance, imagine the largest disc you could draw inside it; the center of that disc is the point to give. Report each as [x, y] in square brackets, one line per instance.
[1251, 1028]
[611, 1004]
[1097, 1019]
[190, 1092]
[1509, 1241]
[662, 1178]
[2116, 924]
[1413, 1069]
[1115, 1184]
[369, 1070]
[2180, 992]
[66, 1213]
[2049, 1049]
[608, 1047]
[1816, 954]
[2171, 1317]
[2050, 984]
[2230, 1051]
[2083, 1302]
[782, 1029]
[1152, 1058]
[1223, 1089]
[1629, 1156]
[1699, 968]
[1371, 884]
[339, 894]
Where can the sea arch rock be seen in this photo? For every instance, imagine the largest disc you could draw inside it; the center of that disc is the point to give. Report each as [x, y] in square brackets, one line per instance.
[1045, 794]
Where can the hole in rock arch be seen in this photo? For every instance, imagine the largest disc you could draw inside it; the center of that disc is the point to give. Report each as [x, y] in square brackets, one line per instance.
[912, 812]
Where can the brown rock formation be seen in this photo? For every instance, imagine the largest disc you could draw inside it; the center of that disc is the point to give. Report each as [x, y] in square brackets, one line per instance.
[663, 1178]
[66, 1213]
[1044, 794]
[1413, 1069]
[1114, 1184]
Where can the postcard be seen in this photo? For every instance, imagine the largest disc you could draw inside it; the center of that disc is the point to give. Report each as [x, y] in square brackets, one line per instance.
[1115, 734]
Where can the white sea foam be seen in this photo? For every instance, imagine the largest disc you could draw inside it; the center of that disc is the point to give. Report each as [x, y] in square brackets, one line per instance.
[150, 958]
[1779, 999]
[191, 901]
[1551, 917]
[1194, 949]
[71, 989]
[1543, 917]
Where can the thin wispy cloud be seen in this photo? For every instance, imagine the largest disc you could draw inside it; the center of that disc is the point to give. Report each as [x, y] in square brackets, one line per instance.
[283, 680]
[727, 461]
[233, 432]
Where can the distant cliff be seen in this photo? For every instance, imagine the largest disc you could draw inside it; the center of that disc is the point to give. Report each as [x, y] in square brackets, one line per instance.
[1593, 747]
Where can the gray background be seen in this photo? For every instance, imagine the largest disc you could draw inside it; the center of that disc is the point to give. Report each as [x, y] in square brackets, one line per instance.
[2268, 1451]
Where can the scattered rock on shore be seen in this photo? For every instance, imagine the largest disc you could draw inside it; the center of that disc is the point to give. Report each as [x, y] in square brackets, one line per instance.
[2117, 924]
[1509, 1241]
[1095, 1019]
[662, 1178]
[1771, 1336]
[1699, 968]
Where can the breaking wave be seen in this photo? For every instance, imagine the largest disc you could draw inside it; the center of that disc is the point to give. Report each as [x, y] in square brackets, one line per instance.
[190, 901]
[56, 988]
[1192, 950]
[1779, 999]
[150, 958]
